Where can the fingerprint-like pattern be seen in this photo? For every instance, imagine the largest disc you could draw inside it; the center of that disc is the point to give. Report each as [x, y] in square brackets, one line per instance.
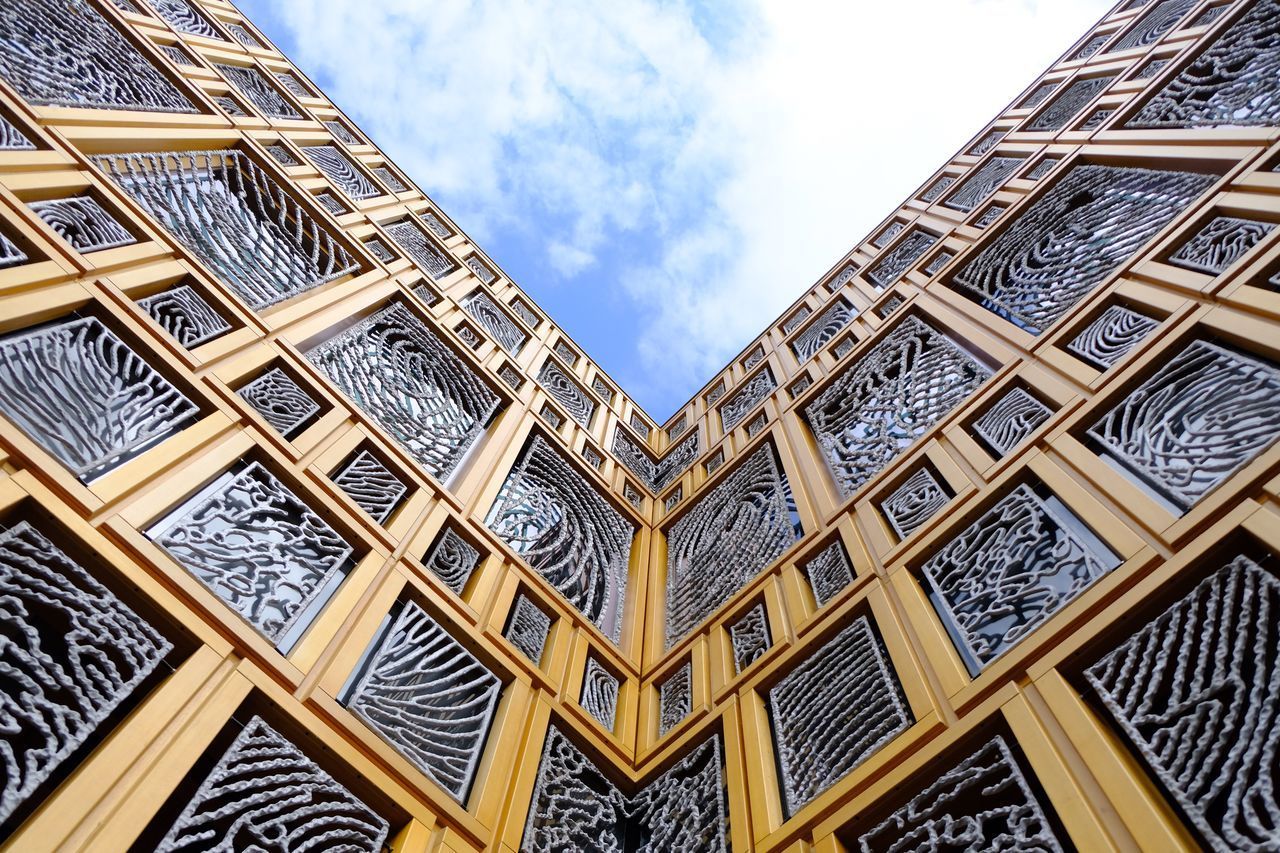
[64, 53]
[567, 532]
[1007, 573]
[725, 539]
[83, 223]
[568, 393]
[400, 374]
[808, 343]
[1072, 238]
[1195, 690]
[265, 794]
[340, 169]
[1112, 336]
[881, 403]
[599, 696]
[753, 392]
[982, 803]
[749, 636]
[577, 807]
[280, 400]
[430, 698]
[834, 709]
[73, 653]
[371, 485]
[84, 396]
[452, 559]
[1235, 80]
[1220, 243]
[918, 499]
[185, 18]
[259, 89]
[257, 546]
[186, 315]
[1010, 420]
[1203, 415]
[422, 249]
[234, 218]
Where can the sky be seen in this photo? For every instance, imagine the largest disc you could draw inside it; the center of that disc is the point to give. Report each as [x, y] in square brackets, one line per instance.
[664, 177]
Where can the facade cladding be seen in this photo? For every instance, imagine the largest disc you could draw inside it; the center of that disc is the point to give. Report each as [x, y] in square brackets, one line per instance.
[317, 533]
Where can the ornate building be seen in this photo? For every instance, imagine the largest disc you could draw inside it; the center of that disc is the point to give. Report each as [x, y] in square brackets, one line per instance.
[315, 532]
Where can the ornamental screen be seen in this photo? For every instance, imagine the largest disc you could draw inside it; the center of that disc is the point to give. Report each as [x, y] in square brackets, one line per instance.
[725, 539]
[64, 53]
[82, 653]
[888, 398]
[577, 807]
[411, 384]
[567, 532]
[85, 396]
[430, 698]
[1093, 220]
[833, 710]
[236, 219]
[1206, 669]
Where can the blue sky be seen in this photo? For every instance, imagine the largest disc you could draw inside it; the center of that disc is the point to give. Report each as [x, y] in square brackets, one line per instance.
[665, 177]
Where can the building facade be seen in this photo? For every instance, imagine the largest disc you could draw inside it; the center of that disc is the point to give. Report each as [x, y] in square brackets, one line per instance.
[316, 530]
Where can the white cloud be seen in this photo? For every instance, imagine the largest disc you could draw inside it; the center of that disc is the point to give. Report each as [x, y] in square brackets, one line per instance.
[752, 143]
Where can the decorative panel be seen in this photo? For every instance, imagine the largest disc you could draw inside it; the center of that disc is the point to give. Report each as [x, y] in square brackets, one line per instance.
[1220, 243]
[422, 249]
[793, 322]
[636, 459]
[481, 271]
[257, 546]
[528, 628]
[833, 710]
[753, 392]
[881, 403]
[340, 169]
[1092, 46]
[259, 89]
[186, 18]
[241, 805]
[343, 134]
[983, 803]
[725, 539]
[893, 229]
[988, 141]
[234, 217]
[1112, 336]
[83, 223]
[186, 315]
[430, 698]
[1095, 218]
[75, 652]
[380, 250]
[243, 36]
[452, 559]
[1203, 415]
[1068, 105]
[677, 460]
[982, 183]
[939, 187]
[412, 385]
[12, 139]
[1154, 24]
[1010, 420]
[567, 393]
[293, 84]
[1003, 576]
[371, 485]
[1235, 81]
[85, 396]
[526, 313]
[436, 227]
[675, 698]
[392, 180]
[1042, 168]
[567, 532]
[600, 693]
[891, 267]
[809, 342]
[1038, 96]
[750, 637]
[577, 807]
[829, 572]
[918, 499]
[281, 401]
[282, 155]
[64, 53]
[605, 392]
[495, 321]
[637, 423]
[1195, 692]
